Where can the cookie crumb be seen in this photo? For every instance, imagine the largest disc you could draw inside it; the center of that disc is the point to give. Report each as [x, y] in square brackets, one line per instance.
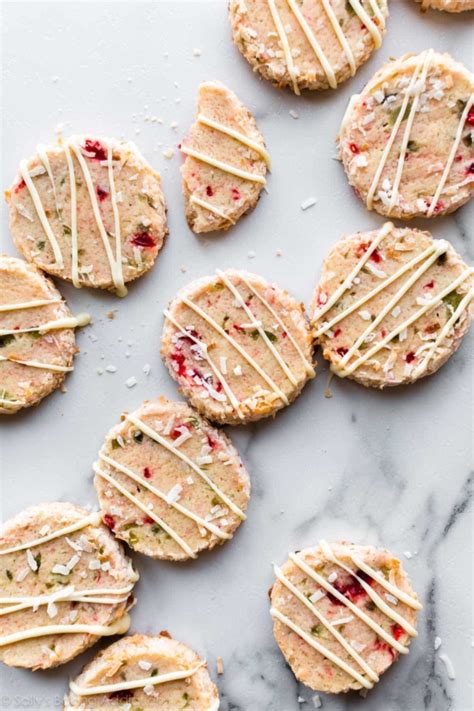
[220, 665]
[294, 114]
[110, 315]
[197, 52]
[111, 369]
[131, 382]
[169, 153]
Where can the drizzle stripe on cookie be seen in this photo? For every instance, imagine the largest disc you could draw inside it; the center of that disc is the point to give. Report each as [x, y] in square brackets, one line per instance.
[174, 504]
[92, 520]
[367, 21]
[194, 307]
[143, 427]
[242, 138]
[25, 174]
[207, 206]
[133, 683]
[28, 304]
[73, 226]
[38, 364]
[128, 495]
[119, 627]
[66, 322]
[285, 44]
[233, 170]
[68, 594]
[327, 624]
[340, 35]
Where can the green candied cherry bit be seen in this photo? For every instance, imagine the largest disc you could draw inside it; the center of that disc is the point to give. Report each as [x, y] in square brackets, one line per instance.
[9, 575]
[271, 336]
[467, 139]
[66, 229]
[370, 606]
[413, 146]
[41, 245]
[115, 444]
[132, 538]
[452, 300]
[138, 436]
[460, 106]
[156, 529]
[349, 9]
[317, 630]
[5, 340]
[38, 563]
[394, 114]
[255, 334]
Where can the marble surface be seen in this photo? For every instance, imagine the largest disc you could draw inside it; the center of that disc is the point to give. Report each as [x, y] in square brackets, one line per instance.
[390, 468]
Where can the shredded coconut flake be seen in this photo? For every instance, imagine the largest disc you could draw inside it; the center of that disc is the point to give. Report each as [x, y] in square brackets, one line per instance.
[449, 666]
[309, 202]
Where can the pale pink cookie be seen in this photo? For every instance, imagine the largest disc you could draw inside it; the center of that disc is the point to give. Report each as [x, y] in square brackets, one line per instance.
[239, 347]
[37, 341]
[392, 306]
[169, 483]
[342, 614]
[65, 582]
[89, 210]
[406, 140]
[447, 5]
[307, 44]
[226, 161]
[146, 673]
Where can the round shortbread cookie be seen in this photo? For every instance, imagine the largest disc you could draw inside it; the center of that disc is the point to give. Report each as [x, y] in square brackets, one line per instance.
[226, 161]
[65, 583]
[169, 483]
[342, 613]
[90, 211]
[392, 305]
[239, 347]
[406, 140]
[307, 44]
[142, 672]
[447, 5]
[37, 341]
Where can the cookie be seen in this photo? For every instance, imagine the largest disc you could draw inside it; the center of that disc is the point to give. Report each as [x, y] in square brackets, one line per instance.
[169, 483]
[307, 44]
[447, 5]
[37, 341]
[65, 582]
[392, 305]
[226, 161]
[90, 211]
[239, 347]
[342, 613]
[142, 672]
[406, 140]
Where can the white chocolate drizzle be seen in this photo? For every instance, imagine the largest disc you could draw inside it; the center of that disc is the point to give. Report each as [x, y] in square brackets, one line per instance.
[313, 42]
[100, 596]
[133, 683]
[25, 174]
[143, 427]
[174, 504]
[58, 324]
[119, 627]
[37, 364]
[157, 519]
[240, 137]
[324, 583]
[92, 520]
[208, 206]
[29, 304]
[215, 163]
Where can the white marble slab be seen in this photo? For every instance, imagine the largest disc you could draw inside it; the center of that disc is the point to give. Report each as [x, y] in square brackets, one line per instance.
[390, 468]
